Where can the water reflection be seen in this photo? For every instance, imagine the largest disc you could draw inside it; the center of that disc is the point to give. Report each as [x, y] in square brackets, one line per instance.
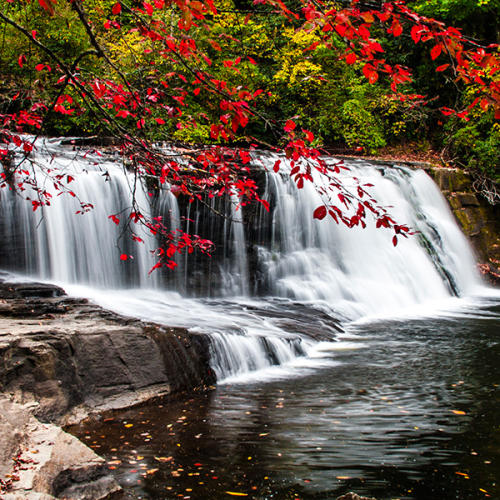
[410, 411]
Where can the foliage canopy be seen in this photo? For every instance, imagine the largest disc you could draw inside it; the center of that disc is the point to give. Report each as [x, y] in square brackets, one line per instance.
[239, 74]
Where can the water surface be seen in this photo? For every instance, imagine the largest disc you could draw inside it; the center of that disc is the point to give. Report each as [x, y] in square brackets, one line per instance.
[406, 408]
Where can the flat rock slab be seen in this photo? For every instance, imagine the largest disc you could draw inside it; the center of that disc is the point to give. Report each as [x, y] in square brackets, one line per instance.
[72, 357]
[41, 461]
[62, 359]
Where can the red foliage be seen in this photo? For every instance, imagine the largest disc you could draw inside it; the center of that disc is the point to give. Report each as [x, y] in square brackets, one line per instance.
[218, 170]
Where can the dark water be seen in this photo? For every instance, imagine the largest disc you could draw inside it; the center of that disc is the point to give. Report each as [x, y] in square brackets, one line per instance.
[411, 411]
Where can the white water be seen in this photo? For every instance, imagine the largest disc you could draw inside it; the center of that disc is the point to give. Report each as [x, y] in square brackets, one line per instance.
[332, 271]
[358, 271]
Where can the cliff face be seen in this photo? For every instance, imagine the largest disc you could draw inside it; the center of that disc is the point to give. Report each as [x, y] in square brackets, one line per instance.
[480, 221]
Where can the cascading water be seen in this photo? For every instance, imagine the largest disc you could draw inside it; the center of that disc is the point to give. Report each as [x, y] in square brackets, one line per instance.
[356, 270]
[59, 244]
[285, 259]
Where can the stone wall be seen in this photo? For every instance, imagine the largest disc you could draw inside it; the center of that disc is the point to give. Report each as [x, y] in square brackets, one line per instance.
[479, 220]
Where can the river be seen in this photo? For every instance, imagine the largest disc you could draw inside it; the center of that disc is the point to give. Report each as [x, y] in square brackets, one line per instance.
[406, 408]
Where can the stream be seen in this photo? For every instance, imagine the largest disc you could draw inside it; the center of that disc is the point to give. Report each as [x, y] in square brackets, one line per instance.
[406, 408]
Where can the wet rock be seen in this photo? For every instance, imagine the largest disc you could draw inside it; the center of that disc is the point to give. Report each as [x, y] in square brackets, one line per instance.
[479, 220]
[92, 140]
[74, 358]
[29, 290]
[354, 496]
[451, 179]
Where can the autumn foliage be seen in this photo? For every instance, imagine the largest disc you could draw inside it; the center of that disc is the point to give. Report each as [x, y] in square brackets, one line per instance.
[187, 73]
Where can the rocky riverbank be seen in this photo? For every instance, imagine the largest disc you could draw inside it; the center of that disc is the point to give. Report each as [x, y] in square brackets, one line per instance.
[62, 359]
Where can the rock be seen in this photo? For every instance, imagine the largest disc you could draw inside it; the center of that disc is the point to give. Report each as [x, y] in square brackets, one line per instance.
[354, 496]
[468, 200]
[479, 220]
[62, 359]
[92, 140]
[41, 461]
[451, 179]
[27, 290]
[74, 358]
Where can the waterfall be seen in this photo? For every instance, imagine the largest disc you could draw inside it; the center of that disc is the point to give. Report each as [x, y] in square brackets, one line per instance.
[357, 269]
[64, 246]
[267, 266]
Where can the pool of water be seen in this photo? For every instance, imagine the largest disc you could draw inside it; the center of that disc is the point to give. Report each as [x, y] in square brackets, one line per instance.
[406, 408]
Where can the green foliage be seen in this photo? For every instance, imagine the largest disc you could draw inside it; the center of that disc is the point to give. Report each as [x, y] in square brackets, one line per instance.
[325, 95]
[476, 144]
[359, 126]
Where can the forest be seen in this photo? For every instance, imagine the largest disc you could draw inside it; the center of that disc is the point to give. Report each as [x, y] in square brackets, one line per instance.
[160, 70]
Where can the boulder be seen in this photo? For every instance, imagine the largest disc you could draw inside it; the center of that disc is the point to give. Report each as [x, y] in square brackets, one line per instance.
[73, 358]
[40, 461]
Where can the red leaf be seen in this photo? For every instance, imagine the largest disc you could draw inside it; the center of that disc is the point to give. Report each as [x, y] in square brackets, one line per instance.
[442, 67]
[394, 240]
[340, 29]
[39, 67]
[309, 135]
[265, 204]
[290, 125]
[447, 111]
[276, 165]
[47, 5]
[320, 212]
[350, 58]
[370, 73]
[367, 17]
[115, 219]
[251, 60]
[69, 179]
[117, 8]
[123, 256]
[435, 51]
[416, 33]
[21, 60]
[397, 29]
